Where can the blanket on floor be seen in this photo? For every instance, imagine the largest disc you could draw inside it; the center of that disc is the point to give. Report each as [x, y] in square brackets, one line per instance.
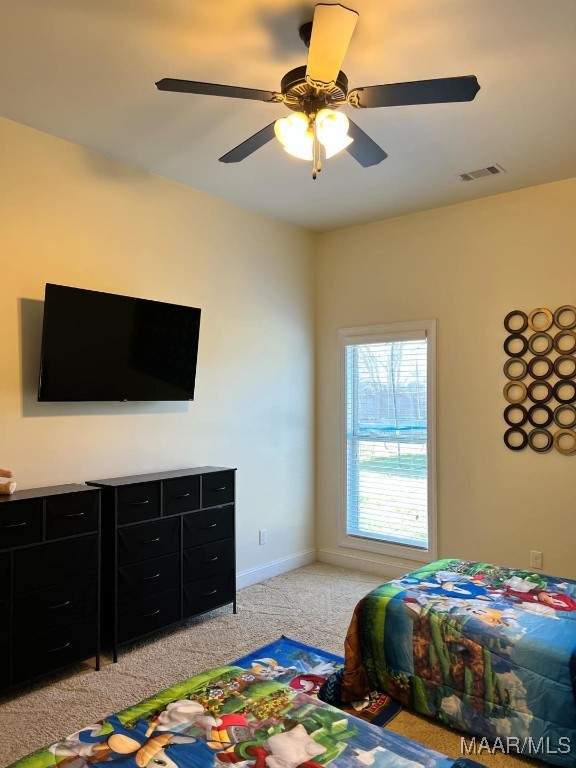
[256, 711]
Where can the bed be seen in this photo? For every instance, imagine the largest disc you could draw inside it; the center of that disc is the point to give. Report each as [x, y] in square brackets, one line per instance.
[485, 649]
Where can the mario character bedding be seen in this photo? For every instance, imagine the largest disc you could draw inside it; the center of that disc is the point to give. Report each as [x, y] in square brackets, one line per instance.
[257, 711]
[486, 649]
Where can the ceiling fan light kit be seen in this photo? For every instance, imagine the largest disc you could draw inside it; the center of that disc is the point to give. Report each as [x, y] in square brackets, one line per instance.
[302, 135]
[316, 91]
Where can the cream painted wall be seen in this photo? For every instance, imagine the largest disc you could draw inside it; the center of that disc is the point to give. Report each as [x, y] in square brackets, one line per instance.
[73, 217]
[466, 265]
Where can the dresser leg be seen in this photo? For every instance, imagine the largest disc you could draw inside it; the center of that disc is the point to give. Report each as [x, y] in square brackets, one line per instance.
[234, 607]
[98, 662]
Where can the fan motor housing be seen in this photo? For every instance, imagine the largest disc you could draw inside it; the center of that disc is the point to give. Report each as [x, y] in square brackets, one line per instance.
[298, 93]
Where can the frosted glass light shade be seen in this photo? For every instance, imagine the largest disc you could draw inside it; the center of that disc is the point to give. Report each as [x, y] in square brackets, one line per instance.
[332, 131]
[295, 135]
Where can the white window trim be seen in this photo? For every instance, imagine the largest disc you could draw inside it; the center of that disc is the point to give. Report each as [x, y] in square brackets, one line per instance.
[375, 334]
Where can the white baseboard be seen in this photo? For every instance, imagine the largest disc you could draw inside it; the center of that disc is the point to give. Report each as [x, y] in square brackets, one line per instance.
[275, 568]
[362, 562]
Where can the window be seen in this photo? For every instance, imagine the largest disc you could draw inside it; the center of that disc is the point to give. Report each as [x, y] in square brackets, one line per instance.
[389, 489]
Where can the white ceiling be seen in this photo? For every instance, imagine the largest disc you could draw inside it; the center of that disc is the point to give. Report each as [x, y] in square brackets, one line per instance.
[84, 70]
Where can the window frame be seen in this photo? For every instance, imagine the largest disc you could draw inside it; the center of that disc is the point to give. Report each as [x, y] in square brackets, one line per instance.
[374, 334]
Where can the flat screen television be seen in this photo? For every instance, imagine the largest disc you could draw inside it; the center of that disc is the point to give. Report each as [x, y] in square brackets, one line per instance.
[102, 346]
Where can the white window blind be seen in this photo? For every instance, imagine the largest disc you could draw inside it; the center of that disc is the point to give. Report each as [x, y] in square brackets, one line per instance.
[387, 438]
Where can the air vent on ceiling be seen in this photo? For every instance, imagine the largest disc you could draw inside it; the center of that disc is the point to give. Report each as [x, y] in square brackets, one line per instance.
[491, 170]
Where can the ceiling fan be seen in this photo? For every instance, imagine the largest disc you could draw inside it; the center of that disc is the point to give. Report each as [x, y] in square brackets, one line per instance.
[315, 92]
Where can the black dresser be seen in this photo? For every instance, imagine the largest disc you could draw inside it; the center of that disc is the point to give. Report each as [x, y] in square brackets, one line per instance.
[168, 549]
[49, 581]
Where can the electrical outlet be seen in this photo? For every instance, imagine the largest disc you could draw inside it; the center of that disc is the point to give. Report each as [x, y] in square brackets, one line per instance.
[262, 536]
[535, 559]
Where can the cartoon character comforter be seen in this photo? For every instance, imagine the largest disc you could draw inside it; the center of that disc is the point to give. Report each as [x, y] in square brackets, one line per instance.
[486, 649]
[258, 711]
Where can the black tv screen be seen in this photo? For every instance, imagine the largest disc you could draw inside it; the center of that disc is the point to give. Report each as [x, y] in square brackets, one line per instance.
[102, 346]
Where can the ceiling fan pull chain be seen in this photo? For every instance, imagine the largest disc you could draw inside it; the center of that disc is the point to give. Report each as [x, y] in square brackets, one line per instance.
[314, 151]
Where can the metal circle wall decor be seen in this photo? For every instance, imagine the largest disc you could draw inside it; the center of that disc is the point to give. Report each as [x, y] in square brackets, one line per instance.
[515, 392]
[561, 445]
[534, 436]
[559, 416]
[515, 363]
[541, 368]
[541, 326]
[535, 367]
[535, 391]
[509, 321]
[565, 391]
[540, 343]
[509, 412]
[513, 339]
[565, 309]
[560, 367]
[559, 345]
[510, 433]
[534, 416]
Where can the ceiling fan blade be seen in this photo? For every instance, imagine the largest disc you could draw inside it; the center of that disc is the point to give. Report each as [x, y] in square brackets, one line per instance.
[213, 89]
[439, 91]
[332, 31]
[250, 145]
[364, 149]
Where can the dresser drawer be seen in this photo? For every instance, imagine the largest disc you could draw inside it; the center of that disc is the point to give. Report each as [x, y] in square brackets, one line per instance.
[4, 644]
[138, 502]
[54, 607]
[71, 514]
[208, 560]
[210, 592]
[50, 650]
[208, 525]
[148, 578]
[58, 563]
[217, 488]
[142, 542]
[181, 495]
[4, 575]
[20, 523]
[146, 615]
[4, 626]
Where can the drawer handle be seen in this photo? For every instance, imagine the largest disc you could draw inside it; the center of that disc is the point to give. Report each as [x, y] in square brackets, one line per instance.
[181, 496]
[14, 525]
[207, 594]
[60, 648]
[139, 503]
[207, 527]
[151, 578]
[222, 488]
[151, 541]
[76, 514]
[60, 605]
[149, 615]
[211, 560]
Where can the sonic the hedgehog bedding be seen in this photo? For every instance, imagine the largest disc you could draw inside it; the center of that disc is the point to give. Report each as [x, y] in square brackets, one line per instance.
[486, 649]
[254, 711]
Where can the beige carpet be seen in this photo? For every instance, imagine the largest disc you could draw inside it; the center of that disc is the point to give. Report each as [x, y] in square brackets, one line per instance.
[312, 604]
